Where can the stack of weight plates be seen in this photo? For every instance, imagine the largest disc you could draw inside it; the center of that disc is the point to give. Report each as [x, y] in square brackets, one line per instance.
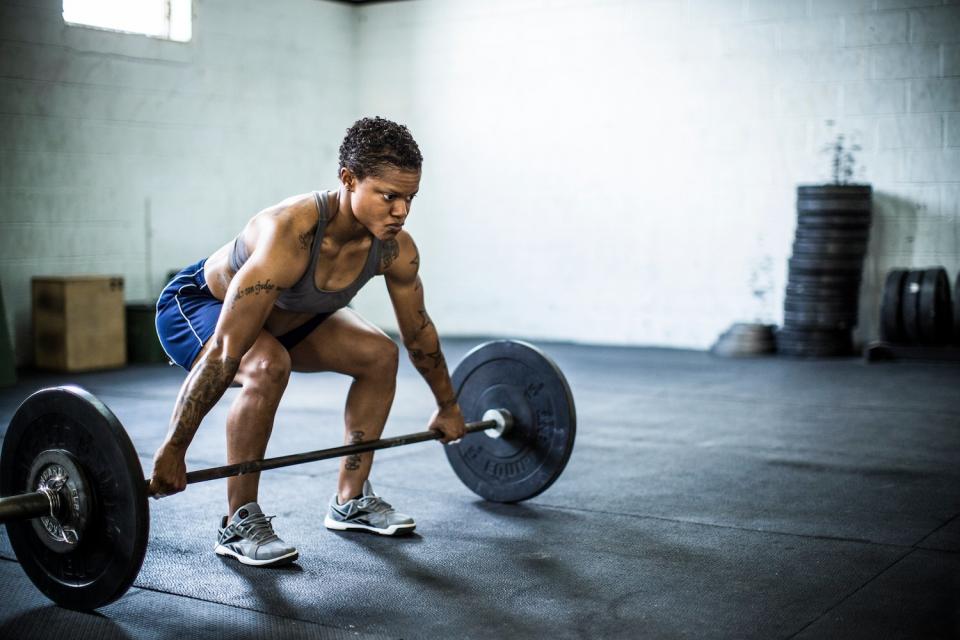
[820, 309]
[956, 310]
[916, 308]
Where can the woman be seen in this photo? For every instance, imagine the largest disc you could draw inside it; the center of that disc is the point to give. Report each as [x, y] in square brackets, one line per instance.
[272, 301]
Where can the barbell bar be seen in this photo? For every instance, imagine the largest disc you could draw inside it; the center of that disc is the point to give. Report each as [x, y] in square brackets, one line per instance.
[75, 499]
[49, 502]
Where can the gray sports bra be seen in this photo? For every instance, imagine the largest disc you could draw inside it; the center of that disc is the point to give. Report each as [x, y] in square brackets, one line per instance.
[304, 296]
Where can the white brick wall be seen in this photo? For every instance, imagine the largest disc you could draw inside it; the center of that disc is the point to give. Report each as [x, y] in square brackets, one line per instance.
[596, 170]
[627, 170]
[97, 127]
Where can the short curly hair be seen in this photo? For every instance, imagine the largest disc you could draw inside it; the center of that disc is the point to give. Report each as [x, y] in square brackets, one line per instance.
[371, 144]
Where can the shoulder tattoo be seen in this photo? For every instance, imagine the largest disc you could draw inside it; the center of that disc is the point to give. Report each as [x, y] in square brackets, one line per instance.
[306, 238]
[391, 249]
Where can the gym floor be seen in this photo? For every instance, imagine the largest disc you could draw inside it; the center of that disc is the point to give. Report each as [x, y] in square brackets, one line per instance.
[705, 498]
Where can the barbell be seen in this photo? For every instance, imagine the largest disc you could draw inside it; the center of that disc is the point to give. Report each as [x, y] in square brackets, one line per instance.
[76, 502]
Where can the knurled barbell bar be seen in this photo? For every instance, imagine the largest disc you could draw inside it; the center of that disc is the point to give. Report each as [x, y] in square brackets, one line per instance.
[57, 488]
[76, 506]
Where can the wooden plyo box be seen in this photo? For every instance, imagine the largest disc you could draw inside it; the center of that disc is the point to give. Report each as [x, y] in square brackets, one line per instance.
[79, 322]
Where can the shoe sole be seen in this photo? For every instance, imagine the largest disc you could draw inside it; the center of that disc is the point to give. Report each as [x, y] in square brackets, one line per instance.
[392, 530]
[229, 553]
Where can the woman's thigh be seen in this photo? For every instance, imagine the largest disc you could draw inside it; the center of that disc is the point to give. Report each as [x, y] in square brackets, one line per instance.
[345, 343]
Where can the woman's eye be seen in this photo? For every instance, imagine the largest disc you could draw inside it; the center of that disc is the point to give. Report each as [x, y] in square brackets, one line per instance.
[388, 197]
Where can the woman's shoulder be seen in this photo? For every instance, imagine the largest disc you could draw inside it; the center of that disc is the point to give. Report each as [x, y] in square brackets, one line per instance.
[297, 215]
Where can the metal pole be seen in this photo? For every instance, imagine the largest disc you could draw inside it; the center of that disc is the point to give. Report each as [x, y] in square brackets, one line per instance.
[202, 475]
[24, 507]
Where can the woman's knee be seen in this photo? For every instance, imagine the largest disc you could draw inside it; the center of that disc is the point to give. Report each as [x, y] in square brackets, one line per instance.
[379, 356]
[266, 369]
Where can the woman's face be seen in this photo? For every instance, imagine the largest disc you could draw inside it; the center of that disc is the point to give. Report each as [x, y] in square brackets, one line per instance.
[382, 203]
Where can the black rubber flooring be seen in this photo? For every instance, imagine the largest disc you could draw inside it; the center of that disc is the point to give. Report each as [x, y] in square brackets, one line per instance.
[706, 498]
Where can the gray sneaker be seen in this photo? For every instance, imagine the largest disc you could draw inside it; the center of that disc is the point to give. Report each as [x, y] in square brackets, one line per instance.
[249, 538]
[367, 513]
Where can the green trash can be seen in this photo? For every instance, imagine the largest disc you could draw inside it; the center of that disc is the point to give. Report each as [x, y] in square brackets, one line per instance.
[143, 345]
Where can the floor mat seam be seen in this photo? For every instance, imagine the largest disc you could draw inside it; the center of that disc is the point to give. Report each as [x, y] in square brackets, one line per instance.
[919, 543]
[250, 609]
[850, 595]
[731, 527]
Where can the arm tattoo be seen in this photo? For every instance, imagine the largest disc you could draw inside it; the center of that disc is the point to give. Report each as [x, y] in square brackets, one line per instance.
[391, 249]
[418, 356]
[438, 359]
[253, 290]
[425, 320]
[305, 239]
[417, 286]
[205, 385]
[446, 404]
[352, 462]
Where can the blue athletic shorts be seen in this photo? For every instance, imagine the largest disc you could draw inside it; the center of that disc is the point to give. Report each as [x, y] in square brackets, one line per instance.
[187, 315]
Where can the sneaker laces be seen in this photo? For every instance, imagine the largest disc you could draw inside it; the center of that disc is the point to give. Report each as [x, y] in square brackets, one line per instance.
[375, 504]
[256, 528]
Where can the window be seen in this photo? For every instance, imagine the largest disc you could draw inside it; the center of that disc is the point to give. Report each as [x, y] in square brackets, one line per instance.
[169, 19]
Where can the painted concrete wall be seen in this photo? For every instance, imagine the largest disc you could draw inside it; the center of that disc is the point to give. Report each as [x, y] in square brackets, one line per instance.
[625, 172]
[101, 132]
[596, 170]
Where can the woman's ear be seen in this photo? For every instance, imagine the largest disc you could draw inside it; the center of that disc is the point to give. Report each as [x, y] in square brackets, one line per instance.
[348, 179]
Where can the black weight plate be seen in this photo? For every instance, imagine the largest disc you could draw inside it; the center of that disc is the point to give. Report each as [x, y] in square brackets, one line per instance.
[110, 552]
[831, 221]
[814, 336]
[819, 234]
[910, 306]
[813, 350]
[818, 292]
[956, 310]
[821, 191]
[516, 376]
[806, 305]
[944, 324]
[891, 319]
[821, 265]
[834, 206]
[814, 342]
[843, 279]
[935, 314]
[820, 320]
[829, 249]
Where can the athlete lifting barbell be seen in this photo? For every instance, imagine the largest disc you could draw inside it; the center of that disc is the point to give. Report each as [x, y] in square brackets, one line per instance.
[270, 302]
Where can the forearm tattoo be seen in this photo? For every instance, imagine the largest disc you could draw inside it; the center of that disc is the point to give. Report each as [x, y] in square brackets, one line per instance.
[390, 251]
[420, 358]
[425, 322]
[205, 386]
[254, 290]
[352, 463]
